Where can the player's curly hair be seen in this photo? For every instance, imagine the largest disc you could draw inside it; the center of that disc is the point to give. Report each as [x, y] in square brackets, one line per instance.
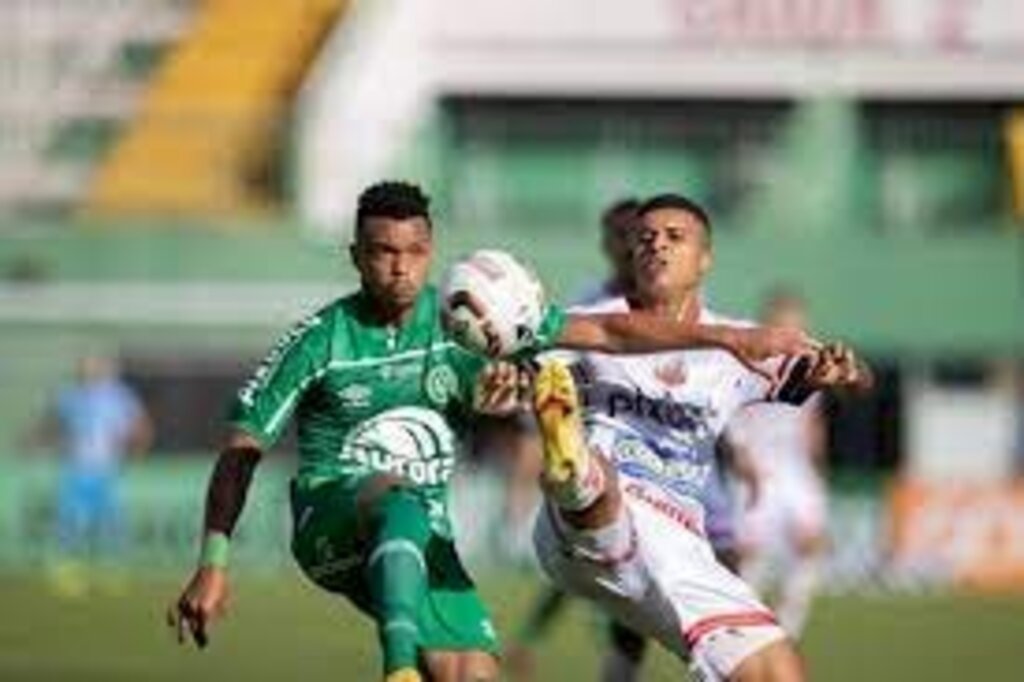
[392, 199]
[679, 202]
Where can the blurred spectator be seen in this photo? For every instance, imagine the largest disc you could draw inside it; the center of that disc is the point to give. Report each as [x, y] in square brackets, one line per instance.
[784, 528]
[93, 423]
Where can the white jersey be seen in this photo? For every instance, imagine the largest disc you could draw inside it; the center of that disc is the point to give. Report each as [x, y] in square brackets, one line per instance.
[657, 418]
[667, 410]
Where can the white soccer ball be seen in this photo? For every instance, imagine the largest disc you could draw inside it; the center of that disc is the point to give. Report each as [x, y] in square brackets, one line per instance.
[491, 303]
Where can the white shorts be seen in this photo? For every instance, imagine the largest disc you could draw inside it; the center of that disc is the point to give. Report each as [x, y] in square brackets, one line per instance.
[789, 508]
[665, 583]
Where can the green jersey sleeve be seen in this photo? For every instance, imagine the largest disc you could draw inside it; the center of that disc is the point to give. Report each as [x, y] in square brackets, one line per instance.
[264, 404]
[550, 330]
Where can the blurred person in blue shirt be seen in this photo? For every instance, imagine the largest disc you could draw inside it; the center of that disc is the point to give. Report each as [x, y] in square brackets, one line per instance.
[94, 422]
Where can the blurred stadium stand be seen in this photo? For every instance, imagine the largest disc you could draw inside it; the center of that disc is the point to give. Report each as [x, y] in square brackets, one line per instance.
[74, 72]
[208, 134]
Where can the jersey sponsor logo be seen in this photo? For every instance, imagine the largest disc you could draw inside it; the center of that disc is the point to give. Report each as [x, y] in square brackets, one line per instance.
[412, 442]
[663, 466]
[661, 411]
[688, 518]
[355, 396]
[442, 384]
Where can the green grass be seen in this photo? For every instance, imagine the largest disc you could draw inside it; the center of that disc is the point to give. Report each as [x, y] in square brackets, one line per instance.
[285, 630]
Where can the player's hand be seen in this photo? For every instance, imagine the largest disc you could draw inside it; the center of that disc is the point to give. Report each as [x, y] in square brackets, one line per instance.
[837, 366]
[753, 345]
[501, 389]
[203, 601]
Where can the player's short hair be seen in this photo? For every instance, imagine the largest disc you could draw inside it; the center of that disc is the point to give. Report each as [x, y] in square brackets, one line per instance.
[393, 199]
[619, 211]
[678, 202]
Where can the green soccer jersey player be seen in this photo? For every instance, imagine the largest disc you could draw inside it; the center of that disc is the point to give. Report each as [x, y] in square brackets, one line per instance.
[380, 395]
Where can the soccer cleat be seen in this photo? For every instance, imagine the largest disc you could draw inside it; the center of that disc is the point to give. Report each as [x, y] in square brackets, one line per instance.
[404, 675]
[556, 404]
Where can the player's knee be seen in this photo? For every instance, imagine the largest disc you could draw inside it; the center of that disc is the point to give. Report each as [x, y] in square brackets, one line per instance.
[777, 662]
[399, 507]
[478, 666]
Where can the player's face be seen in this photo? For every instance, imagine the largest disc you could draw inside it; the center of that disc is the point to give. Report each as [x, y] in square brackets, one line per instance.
[393, 258]
[670, 252]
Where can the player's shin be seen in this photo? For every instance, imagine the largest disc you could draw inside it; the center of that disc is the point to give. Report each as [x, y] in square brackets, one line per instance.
[572, 477]
[397, 575]
[796, 594]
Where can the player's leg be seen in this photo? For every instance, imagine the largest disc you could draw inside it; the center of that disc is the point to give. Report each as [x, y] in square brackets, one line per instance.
[546, 607]
[367, 538]
[579, 484]
[760, 536]
[460, 666]
[457, 637]
[777, 662]
[622, 660]
[808, 542]
[397, 528]
[717, 623]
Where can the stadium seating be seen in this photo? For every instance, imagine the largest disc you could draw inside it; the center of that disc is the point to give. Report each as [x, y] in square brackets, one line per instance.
[73, 74]
[209, 130]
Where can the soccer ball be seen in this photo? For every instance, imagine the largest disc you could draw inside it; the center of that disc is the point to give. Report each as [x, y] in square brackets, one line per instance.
[491, 303]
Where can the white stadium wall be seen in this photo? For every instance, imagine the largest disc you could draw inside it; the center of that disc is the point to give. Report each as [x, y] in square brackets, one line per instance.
[391, 59]
[370, 87]
[733, 47]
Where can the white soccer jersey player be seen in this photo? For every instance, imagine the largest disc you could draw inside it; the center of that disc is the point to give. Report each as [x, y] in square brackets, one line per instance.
[656, 418]
[780, 442]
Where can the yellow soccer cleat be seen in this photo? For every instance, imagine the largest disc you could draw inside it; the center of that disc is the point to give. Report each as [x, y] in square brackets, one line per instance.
[557, 406]
[404, 675]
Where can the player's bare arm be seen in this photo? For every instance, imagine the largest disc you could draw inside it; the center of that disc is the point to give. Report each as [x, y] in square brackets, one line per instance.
[205, 597]
[640, 332]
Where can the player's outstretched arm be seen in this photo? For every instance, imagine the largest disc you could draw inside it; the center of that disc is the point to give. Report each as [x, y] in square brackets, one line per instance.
[640, 332]
[205, 598]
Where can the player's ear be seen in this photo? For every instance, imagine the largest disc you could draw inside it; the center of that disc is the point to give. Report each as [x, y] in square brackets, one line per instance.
[353, 254]
[707, 258]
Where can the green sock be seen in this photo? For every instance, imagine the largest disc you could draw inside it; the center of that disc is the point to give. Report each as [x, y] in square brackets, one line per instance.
[397, 574]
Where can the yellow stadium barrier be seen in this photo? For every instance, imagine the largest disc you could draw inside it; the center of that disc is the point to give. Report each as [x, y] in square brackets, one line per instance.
[1015, 144]
[207, 134]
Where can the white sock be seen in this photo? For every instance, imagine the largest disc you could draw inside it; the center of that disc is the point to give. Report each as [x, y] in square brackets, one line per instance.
[796, 593]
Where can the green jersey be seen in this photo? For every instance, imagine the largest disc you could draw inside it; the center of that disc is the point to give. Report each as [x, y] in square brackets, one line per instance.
[370, 398]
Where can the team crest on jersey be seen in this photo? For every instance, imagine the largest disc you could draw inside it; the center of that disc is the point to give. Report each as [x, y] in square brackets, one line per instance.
[412, 442]
[671, 374]
[441, 384]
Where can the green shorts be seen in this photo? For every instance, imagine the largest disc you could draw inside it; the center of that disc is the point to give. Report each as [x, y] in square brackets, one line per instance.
[327, 549]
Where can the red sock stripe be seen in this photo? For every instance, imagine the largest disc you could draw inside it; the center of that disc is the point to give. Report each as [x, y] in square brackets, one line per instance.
[703, 627]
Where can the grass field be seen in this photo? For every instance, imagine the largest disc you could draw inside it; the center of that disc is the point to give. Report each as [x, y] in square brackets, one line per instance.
[284, 630]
